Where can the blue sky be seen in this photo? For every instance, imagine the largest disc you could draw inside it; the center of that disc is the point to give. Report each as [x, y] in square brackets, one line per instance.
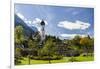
[64, 22]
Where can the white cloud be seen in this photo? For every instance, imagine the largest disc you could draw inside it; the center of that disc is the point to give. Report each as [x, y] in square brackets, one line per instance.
[70, 36]
[21, 16]
[74, 25]
[37, 21]
[28, 22]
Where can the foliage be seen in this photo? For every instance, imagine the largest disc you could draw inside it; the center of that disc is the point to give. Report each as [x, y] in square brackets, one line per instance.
[49, 48]
[87, 44]
[53, 47]
[19, 36]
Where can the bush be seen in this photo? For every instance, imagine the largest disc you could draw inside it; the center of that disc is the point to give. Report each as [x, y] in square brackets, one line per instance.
[75, 53]
[83, 54]
[72, 59]
[17, 60]
[46, 57]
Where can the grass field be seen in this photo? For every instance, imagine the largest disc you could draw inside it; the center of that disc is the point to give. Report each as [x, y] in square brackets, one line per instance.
[64, 60]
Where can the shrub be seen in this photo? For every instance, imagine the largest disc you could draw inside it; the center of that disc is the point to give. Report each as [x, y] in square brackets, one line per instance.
[17, 60]
[46, 57]
[72, 59]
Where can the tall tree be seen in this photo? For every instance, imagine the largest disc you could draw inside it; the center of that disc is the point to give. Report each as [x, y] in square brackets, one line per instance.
[86, 43]
[19, 35]
[48, 49]
[19, 38]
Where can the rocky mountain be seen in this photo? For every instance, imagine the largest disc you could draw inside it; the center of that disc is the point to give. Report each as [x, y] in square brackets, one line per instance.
[28, 30]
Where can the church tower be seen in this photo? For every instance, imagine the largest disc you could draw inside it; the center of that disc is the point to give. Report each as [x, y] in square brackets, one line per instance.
[42, 31]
